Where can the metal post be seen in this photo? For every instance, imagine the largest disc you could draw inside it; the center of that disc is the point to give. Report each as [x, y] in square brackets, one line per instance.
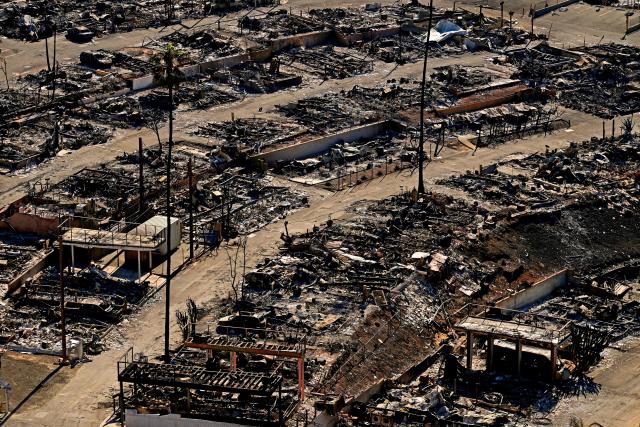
[63, 323]
[490, 353]
[141, 178]
[190, 168]
[627, 26]
[613, 129]
[422, 95]
[518, 357]
[554, 360]
[121, 404]
[532, 24]
[139, 268]
[55, 67]
[469, 349]
[501, 14]
[301, 377]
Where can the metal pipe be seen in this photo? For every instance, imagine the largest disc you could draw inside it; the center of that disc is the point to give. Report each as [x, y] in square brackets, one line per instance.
[63, 323]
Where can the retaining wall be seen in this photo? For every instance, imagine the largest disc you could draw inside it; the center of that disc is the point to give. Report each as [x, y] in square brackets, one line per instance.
[541, 12]
[20, 280]
[313, 147]
[536, 292]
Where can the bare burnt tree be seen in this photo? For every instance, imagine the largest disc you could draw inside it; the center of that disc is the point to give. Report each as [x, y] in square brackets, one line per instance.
[233, 257]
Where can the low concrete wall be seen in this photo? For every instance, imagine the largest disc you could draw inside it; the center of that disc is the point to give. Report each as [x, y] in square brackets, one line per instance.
[376, 388]
[29, 223]
[541, 12]
[225, 62]
[301, 40]
[92, 99]
[632, 29]
[20, 280]
[144, 82]
[536, 292]
[366, 36]
[486, 99]
[133, 419]
[313, 147]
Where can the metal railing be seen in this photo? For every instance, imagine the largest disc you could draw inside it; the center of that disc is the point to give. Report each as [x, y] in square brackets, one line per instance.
[119, 234]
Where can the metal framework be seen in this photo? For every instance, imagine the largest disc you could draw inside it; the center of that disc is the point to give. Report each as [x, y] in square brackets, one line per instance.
[520, 333]
[143, 373]
[272, 343]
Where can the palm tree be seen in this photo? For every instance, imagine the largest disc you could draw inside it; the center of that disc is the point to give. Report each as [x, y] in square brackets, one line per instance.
[167, 74]
[422, 90]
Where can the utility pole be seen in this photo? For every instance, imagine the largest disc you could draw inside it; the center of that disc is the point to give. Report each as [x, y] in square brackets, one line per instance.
[190, 208]
[63, 322]
[55, 66]
[501, 14]
[422, 95]
[141, 177]
[168, 229]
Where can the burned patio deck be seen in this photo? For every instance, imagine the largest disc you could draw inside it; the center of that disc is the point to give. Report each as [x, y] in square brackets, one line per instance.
[90, 238]
[508, 330]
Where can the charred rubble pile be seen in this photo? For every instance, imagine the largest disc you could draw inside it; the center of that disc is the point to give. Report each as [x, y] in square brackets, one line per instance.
[36, 140]
[277, 23]
[389, 284]
[327, 62]
[250, 135]
[382, 152]
[94, 301]
[599, 80]
[202, 44]
[454, 34]
[17, 253]
[329, 112]
[82, 22]
[243, 203]
[238, 200]
[371, 291]
[257, 77]
[372, 16]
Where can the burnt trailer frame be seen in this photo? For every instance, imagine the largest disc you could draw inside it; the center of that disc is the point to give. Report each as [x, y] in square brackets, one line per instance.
[142, 373]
